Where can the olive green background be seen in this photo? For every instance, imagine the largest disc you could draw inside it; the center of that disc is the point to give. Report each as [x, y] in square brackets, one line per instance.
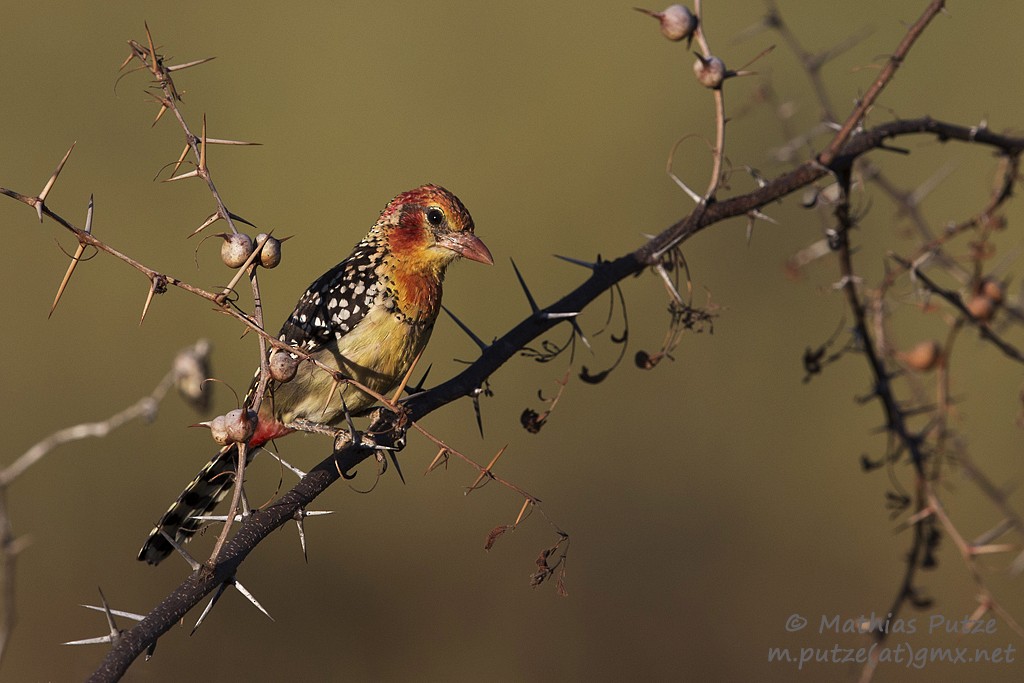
[707, 500]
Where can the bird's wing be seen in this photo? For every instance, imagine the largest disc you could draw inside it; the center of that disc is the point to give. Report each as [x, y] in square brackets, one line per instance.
[337, 301]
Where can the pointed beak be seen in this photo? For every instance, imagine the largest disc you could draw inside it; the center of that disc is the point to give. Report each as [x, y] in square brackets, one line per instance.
[468, 246]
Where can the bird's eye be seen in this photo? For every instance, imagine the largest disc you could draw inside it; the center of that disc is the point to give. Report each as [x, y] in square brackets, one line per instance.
[435, 216]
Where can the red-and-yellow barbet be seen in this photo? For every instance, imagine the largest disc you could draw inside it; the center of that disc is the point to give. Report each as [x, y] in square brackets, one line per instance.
[369, 317]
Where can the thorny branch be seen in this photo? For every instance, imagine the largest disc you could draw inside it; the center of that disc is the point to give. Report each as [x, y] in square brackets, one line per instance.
[169, 98]
[869, 332]
[855, 119]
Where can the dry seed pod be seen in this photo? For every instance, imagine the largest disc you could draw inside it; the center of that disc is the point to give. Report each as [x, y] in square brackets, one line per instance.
[677, 22]
[710, 71]
[283, 365]
[270, 254]
[236, 249]
[923, 357]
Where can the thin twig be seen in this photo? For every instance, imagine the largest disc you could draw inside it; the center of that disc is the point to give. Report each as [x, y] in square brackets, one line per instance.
[10, 546]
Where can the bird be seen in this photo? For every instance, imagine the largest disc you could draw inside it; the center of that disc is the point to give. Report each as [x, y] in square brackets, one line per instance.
[369, 317]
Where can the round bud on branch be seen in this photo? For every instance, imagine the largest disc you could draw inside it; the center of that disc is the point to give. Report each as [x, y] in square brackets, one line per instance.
[923, 357]
[236, 249]
[219, 430]
[240, 425]
[677, 22]
[237, 426]
[992, 289]
[283, 365]
[710, 71]
[981, 307]
[270, 253]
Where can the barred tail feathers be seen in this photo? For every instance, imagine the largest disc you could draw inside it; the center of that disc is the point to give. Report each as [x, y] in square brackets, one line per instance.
[203, 494]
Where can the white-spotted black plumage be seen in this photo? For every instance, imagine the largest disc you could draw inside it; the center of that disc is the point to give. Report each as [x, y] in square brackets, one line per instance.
[337, 301]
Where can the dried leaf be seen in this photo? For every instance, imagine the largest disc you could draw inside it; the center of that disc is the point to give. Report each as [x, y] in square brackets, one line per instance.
[496, 533]
[532, 421]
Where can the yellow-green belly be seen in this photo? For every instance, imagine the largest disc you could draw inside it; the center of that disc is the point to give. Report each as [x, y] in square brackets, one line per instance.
[376, 353]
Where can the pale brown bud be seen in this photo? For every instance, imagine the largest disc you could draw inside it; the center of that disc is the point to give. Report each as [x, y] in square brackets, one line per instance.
[710, 71]
[993, 289]
[191, 372]
[240, 425]
[923, 357]
[283, 365]
[270, 254]
[236, 249]
[981, 307]
[219, 430]
[677, 22]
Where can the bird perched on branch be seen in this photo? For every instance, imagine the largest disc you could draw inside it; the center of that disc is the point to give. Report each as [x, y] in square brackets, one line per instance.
[368, 317]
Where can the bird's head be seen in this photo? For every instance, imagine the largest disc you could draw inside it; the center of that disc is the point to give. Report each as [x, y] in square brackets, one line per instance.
[429, 228]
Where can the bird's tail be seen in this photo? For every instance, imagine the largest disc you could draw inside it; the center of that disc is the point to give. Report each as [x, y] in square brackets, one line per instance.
[199, 497]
